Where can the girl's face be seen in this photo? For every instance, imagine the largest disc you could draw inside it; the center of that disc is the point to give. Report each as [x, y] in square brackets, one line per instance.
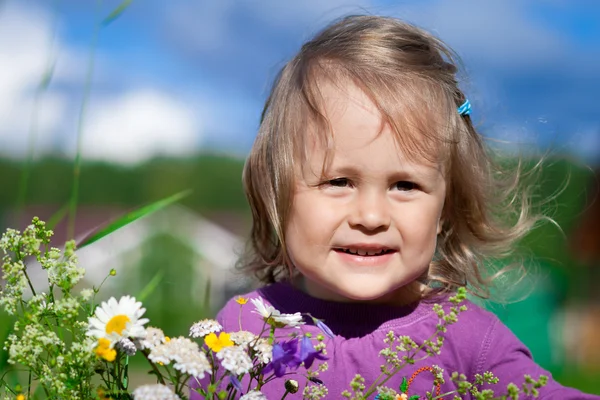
[368, 230]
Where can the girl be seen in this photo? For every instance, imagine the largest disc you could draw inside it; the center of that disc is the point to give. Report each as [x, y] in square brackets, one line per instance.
[374, 197]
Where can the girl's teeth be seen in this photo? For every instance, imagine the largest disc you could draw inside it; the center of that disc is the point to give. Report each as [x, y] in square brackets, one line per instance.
[364, 252]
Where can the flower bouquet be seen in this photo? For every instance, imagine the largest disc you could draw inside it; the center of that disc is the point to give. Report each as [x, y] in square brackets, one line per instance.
[64, 345]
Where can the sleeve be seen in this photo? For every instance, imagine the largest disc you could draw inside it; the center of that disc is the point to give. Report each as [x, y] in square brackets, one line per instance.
[503, 354]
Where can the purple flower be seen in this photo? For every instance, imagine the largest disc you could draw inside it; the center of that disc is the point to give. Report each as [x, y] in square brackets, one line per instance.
[308, 354]
[235, 382]
[321, 325]
[284, 356]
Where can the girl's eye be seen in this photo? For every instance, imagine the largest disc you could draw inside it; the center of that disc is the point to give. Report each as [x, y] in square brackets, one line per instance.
[405, 186]
[338, 182]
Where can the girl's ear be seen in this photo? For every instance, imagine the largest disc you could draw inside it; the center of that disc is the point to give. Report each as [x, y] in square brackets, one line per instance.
[440, 224]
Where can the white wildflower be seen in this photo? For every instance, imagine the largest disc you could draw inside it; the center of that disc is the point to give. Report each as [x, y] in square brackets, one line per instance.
[315, 392]
[270, 313]
[242, 338]
[152, 338]
[154, 392]
[194, 363]
[86, 294]
[126, 346]
[115, 320]
[51, 258]
[67, 307]
[264, 350]
[64, 272]
[186, 355]
[34, 341]
[235, 359]
[253, 395]
[204, 327]
[15, 283]
[10, 240]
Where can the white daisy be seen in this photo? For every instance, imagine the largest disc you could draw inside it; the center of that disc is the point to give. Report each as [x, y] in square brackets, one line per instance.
[293, 320]
[116, 320]
[253, 395]
[235, 359]
[204, 327]
[262, 309]
[154, 392]
[268, 312]
[185, 354]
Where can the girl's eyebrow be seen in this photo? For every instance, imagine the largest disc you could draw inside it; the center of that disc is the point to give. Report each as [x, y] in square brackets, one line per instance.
[416, 171]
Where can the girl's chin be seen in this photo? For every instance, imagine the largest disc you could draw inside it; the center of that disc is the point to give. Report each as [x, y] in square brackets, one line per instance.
[351, 294]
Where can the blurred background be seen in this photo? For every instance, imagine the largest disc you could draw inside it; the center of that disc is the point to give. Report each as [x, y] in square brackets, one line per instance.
[166, 96]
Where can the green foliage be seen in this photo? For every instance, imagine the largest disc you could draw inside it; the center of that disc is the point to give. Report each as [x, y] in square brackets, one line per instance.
[174, 302]
[561, 192]
[130, 217]
[215, 182]
[116, 13]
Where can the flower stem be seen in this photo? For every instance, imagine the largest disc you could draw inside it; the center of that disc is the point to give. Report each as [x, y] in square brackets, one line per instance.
[441, 396]
[156, 371]
[29, 282]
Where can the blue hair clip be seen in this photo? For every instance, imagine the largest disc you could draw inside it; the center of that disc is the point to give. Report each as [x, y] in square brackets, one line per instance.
[465, 108]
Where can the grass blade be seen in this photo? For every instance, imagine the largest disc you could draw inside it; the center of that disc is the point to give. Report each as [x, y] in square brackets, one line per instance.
[57, 217]
[132, 216]
[116, 12]
[74, 197]
[151, 286]
[206, 302]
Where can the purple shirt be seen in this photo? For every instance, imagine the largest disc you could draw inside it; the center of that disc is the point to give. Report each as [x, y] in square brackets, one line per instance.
[478, 342]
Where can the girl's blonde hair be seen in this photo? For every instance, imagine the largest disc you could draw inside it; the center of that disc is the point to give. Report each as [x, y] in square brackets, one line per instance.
[411, 77]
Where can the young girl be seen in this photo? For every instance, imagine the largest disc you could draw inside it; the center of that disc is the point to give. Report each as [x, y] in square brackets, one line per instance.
[374, 197]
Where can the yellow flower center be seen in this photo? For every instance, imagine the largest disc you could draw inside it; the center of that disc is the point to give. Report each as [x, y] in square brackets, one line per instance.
[217, 344]
[20, 397]
[117, 324]
[104, 351]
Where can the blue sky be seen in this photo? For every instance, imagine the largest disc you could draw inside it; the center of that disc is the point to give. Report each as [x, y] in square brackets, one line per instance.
[172, 77]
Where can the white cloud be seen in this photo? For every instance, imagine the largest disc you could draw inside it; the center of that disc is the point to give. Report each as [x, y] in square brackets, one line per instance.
[126, 127]
[139, 124]
[25, 42]
[495, 32]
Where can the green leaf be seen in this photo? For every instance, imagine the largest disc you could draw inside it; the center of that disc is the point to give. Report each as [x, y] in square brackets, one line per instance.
[130, 217]
[206, 303]
[151, 286]
[47, 77]
[116, 12]
[57, 217]
[404, 385]
[414, 397]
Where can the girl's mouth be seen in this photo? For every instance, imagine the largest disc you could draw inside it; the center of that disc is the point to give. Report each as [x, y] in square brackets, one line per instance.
[364, 252]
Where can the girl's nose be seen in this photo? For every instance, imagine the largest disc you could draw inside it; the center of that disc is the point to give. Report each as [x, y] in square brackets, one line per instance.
[370, 211]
